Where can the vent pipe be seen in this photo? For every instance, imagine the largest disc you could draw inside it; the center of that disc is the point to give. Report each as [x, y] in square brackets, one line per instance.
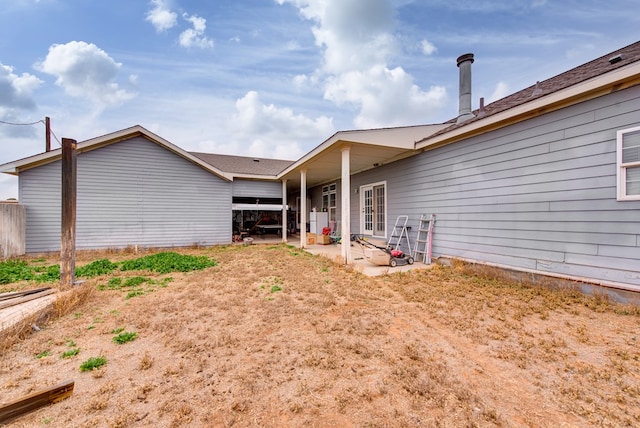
[464, 110]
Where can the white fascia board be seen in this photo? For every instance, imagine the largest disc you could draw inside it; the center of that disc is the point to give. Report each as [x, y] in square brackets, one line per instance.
[404, 137]
[97, 142]
[556, 100]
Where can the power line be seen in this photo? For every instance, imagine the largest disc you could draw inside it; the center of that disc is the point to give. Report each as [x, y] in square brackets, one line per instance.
[55, 136]
[21, 124]
[33, 123]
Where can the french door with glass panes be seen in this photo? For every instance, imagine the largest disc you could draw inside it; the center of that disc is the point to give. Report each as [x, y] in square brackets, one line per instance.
[373, 209]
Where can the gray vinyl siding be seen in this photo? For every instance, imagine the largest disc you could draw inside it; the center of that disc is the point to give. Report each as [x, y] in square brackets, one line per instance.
[537, 195]
[133, 192]
[39, 191]
[257, 189]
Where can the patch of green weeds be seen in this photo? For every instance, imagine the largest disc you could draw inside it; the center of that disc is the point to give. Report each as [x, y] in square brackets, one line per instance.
[134, 281]
[77, 315]
[273, 284]
[14, 271]
[70, 353]
[20, 270]
[93, 363]
[117, 330]
[98, 267]
[162, 283]
[70, 343]
[50, 274]
[43, 354]
[46, 421]
[91, 327]
[132, 285]
[115, 283]
[134, 293]
[168, 262]
[124, 337]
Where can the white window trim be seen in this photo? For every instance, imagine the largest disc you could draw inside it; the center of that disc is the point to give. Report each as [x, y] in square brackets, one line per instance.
[621, 170]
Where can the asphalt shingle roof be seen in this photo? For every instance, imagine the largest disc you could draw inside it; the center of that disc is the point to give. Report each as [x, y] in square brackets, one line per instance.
[628, 54]
[243, 164]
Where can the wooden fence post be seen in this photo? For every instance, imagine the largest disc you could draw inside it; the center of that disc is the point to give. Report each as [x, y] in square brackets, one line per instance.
[68, 236]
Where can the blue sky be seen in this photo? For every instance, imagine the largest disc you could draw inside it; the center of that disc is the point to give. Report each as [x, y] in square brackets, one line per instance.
[275, 78]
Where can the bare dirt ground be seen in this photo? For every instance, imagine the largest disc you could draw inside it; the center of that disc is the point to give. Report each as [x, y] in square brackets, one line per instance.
[275, 337]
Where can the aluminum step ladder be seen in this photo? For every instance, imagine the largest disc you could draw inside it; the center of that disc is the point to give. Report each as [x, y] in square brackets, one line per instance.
[422, 251]
[400, 233]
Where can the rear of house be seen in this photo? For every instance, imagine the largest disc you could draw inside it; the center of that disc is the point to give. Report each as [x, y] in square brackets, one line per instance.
[545, 181]
[540, 195]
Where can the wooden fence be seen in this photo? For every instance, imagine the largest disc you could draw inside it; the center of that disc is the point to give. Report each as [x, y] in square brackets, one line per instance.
[12, 229]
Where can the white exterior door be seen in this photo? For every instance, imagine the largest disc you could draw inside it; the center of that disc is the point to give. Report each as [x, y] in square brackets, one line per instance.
[373, 209]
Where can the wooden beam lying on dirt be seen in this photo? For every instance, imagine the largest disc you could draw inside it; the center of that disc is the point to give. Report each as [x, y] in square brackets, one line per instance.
[35, 400]
[14, 294]
[26, 298]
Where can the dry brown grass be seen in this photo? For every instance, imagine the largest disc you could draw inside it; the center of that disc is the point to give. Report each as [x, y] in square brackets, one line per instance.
[274, 337]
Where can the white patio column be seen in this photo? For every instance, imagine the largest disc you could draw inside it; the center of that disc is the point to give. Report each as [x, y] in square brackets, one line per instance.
[303, 208]
[346, 205]
[284, 211]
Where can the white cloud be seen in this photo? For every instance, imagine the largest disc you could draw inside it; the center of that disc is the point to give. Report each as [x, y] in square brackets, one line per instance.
[359, 43]
[273, 131]
[385, 97]
[500, 91]
[428, 48]
[161, 17]
[85, 71]
[16, 92]
[194, 37]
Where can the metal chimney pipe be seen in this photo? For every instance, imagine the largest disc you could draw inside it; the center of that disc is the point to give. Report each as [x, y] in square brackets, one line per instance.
[464, 109]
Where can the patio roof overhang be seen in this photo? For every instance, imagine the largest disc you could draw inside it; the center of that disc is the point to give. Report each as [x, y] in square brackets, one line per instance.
[368, 149]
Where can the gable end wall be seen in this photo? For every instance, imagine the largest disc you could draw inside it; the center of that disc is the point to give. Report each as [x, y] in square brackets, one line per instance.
[133, 192]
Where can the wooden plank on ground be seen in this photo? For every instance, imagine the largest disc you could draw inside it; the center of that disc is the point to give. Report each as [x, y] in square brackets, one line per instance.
[20, 300]
[35, 400]
[14, 294]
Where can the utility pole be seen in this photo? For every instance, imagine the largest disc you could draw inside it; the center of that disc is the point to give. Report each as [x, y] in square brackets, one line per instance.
[47, 135]
[68, 236]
